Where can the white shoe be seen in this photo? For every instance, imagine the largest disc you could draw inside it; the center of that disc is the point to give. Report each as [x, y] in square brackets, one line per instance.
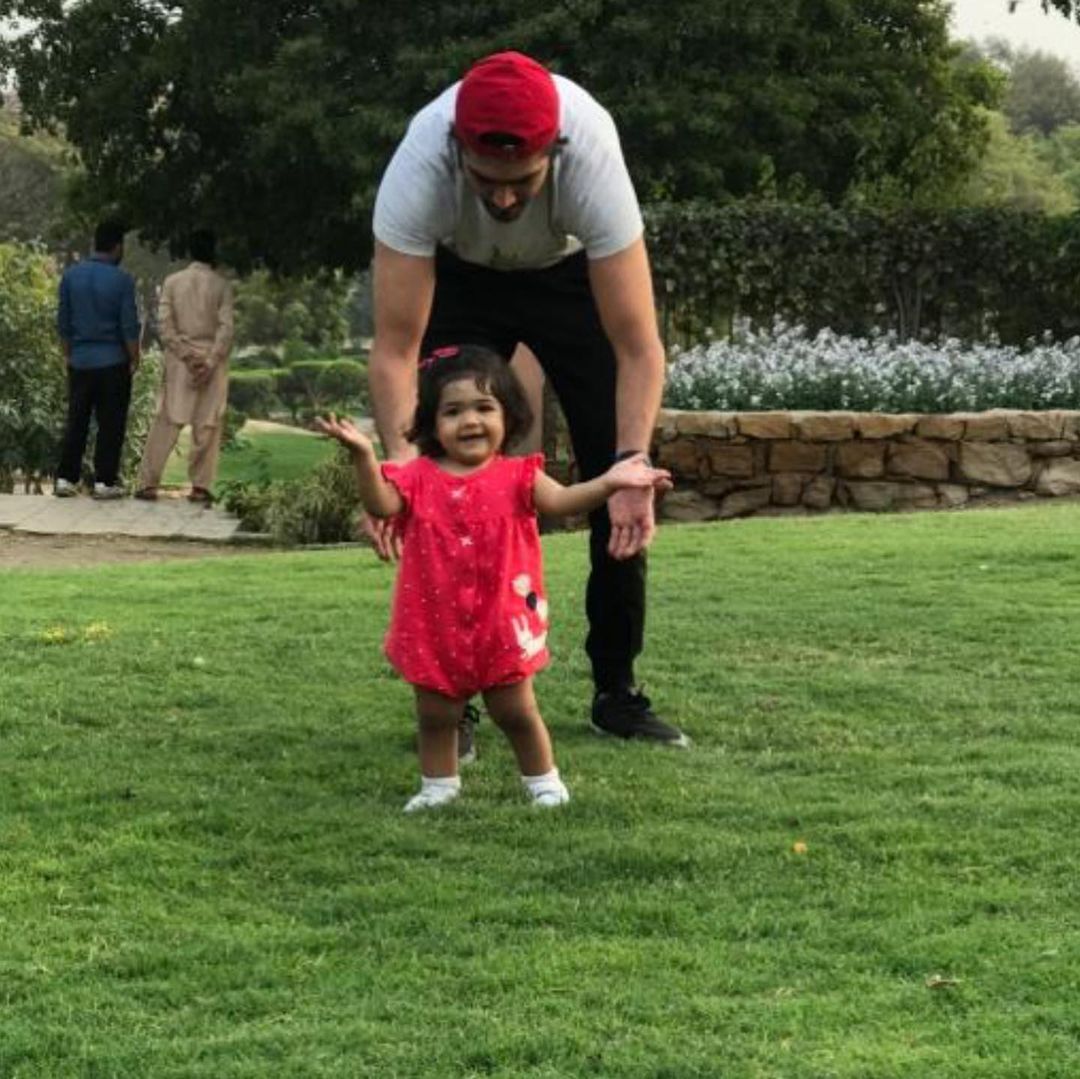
[546, 790]
[433, 794]
[104, 491]
[65, 488]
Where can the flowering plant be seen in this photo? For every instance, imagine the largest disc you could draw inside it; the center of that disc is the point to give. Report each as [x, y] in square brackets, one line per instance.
[786, 367]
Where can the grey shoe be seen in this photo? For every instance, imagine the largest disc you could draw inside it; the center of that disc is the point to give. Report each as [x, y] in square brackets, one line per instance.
[466, 737]
[105, 492]
[65, 488]
[627, 713]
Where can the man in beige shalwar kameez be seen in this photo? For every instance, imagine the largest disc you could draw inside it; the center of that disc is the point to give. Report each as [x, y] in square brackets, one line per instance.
[195, 316]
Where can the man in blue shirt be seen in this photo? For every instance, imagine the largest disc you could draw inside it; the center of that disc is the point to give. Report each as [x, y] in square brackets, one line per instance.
[99, 331]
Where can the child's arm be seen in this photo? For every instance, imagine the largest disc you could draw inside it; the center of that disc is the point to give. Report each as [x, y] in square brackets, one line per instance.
[380, 497]
[553, 499]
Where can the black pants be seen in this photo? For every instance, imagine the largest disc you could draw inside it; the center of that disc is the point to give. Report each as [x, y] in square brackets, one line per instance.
[105, 393]
[553, 312]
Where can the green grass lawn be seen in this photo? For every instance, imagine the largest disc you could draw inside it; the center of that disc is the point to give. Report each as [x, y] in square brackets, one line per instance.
[206, 871]
[278, 453]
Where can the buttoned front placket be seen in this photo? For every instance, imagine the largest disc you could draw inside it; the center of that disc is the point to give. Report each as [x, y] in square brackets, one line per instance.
[466, 576]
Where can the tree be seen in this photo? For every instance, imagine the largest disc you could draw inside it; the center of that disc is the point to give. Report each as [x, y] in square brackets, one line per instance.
[272, 122]
[1018, 171]
[1043, 93]
[1068, 8]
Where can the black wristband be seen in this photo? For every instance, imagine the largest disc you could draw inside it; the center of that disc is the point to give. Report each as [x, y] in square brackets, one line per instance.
[622, 455]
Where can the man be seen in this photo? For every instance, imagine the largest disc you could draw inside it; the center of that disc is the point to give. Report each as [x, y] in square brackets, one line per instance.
[507, 216]
[195, 316]
[99, 332]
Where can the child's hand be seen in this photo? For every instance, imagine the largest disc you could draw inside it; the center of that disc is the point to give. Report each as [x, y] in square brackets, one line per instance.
[637, 472]
[346, 432]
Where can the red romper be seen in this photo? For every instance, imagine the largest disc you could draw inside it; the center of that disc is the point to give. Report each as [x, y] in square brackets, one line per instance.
[469, 608]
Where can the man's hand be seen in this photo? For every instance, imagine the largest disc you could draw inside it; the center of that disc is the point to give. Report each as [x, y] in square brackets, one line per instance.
[633, 523]
[385, 535]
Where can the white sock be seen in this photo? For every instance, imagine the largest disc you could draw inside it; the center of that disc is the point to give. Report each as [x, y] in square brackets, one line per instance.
[546, 790]
[434, 791]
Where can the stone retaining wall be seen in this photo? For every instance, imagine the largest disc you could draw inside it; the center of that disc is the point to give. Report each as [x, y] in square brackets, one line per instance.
[730, 464]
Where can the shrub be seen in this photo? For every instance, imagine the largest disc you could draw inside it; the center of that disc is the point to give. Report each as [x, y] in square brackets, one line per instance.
[254, 393]
[788, 367]
[343, 384]
[323, 507]
[255, 359]
[32, 379]
[311, 386]
[967, 273]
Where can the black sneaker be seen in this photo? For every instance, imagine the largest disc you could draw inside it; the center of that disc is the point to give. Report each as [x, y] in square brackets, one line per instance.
[466, 736]
[627, 713]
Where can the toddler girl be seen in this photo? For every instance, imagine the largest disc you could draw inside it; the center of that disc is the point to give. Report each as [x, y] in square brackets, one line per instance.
[470, 615]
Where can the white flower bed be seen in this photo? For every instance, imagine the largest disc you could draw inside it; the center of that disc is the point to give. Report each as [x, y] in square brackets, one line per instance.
[787, 368]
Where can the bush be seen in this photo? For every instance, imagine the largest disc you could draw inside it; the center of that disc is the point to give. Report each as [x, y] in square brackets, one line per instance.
[343, 384]
[323, 507]
[254, 393]
[33, 390]
[967, 273]
[788, 367]
[255, 359]
[311, 386]
[145, 390]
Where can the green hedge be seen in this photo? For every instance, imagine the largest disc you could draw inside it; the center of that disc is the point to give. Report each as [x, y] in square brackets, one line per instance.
[254, 393]
[969, 273]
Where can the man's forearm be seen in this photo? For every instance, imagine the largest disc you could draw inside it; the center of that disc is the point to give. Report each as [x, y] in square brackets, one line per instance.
[392, 381]
[638, 390]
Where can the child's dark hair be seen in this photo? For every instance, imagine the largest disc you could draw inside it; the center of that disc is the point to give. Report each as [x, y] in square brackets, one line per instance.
[490, 372]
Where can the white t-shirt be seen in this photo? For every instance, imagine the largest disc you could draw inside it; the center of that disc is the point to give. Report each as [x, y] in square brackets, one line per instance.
[587, 200]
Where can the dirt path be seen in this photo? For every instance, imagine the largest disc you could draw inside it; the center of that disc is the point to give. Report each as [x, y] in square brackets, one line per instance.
[18, 551]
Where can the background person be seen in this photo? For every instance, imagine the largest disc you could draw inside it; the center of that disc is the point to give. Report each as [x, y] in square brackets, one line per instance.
[507, 216]
[195, 316]
[99, 331]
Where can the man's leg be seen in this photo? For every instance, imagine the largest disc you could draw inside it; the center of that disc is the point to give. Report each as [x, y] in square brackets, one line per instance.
[112, 398]
[80, 406]
[203, 458]
[567, 336]
[159, 444]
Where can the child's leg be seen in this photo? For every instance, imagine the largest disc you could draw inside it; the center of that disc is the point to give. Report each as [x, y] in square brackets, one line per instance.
[515, 712]
[437, 718]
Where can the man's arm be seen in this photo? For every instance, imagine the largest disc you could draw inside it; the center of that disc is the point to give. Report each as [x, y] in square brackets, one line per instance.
[226, 321]
[404, 287]
[622, 288]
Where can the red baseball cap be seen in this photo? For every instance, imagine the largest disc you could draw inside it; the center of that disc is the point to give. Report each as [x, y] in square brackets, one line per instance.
[507, 93]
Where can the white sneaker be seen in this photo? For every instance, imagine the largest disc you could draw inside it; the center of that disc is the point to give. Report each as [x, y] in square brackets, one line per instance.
[104, 491]
[434, 793]
[546, 790]
[65, 488]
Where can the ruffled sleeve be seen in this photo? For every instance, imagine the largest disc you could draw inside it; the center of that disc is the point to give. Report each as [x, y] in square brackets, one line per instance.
[528, 467]
[404, 475]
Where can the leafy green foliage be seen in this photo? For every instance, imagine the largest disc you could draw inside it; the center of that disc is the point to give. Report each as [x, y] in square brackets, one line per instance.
[34, 172]
[307, 311]
[964, 272]
[203, 122]
[254, 393]
[1025, 172]
[321, 507]
[32, 380]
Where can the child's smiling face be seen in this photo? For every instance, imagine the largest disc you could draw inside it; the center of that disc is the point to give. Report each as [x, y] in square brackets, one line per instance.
[469, 423]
